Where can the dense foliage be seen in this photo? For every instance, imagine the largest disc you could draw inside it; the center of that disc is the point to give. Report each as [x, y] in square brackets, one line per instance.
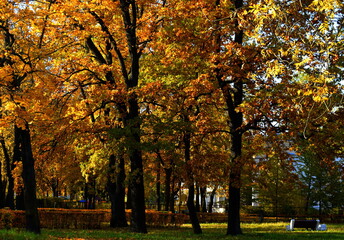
[152, 101]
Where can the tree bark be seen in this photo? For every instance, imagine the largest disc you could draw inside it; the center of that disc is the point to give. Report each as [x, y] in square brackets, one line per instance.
[138, 215]
[235, 184]
[190, 202]
[29, 179]
[168, 176]
[116, 191]
[192, 210]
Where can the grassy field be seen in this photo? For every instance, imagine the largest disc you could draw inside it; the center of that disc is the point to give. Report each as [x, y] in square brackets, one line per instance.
[210, 231]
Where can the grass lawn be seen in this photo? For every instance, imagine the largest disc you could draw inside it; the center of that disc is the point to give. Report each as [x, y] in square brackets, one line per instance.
[210, 231]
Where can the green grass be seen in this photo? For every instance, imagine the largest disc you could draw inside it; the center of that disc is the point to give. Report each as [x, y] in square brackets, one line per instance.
[210, 231]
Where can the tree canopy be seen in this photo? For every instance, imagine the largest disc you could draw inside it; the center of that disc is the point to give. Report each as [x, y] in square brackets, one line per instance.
[126, 96]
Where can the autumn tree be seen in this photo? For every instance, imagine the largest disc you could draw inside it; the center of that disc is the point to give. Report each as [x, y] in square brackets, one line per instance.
[110, 38]
[17, 72]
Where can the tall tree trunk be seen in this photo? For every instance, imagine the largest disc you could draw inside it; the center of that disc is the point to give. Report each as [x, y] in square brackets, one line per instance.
[138, 215]
[29, 179]
[120, 194]
[130, 112]
[233, 95]
[234, 187]
[168, 178]
[190, 202]
[132, 118]
[116, 191]
[192, 210]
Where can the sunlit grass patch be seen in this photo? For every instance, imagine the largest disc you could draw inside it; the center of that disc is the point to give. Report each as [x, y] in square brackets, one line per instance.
[211, 231]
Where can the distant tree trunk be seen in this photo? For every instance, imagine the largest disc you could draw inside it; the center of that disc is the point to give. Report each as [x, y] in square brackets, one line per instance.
[173, 194]
[203, 200]
[55, 186]
[90, 194]
[308, 195]
[86, 197]
[198, 207]
[116, 191]
[2, 188]
[128, 203]
[211, 201]
[180, 196]
[29, 179]
[247, 196]
[158, 186]
[9, 202]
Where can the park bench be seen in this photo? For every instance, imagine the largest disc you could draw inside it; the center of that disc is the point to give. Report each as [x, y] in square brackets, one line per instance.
[308, 224]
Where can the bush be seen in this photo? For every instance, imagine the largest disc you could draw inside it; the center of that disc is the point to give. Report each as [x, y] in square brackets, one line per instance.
[212, 217]
[6, 218]
[71, 218]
